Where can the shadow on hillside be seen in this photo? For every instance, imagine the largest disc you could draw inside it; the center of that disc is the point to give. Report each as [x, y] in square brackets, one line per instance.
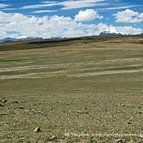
[54, 41]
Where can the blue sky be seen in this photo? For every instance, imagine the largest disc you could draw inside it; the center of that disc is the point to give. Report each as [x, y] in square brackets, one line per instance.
[69, 18]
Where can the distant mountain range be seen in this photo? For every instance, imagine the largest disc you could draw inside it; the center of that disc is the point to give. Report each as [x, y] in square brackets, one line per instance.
[9, 39]
[111, 31]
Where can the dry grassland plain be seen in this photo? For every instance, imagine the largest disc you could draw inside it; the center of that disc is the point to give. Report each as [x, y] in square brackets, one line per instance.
[85, 86]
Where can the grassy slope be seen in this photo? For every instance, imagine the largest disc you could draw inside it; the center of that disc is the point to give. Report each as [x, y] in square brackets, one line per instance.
[88, 85]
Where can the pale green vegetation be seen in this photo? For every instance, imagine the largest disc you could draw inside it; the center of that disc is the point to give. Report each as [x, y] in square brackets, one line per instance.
[91, 85]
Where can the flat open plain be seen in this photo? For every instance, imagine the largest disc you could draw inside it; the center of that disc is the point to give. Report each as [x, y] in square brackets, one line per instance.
[90, 85]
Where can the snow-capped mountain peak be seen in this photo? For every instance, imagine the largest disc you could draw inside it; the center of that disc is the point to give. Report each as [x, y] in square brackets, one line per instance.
[112, 29]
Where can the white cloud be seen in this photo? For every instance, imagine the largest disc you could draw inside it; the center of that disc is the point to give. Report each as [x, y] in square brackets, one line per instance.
[44, 11]
[10, 9]
[129, 30]
[128, 16]
[71, 4]
[116, 8]
[17, 25]
[4, 5]
[87, 15]
[38, 6]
